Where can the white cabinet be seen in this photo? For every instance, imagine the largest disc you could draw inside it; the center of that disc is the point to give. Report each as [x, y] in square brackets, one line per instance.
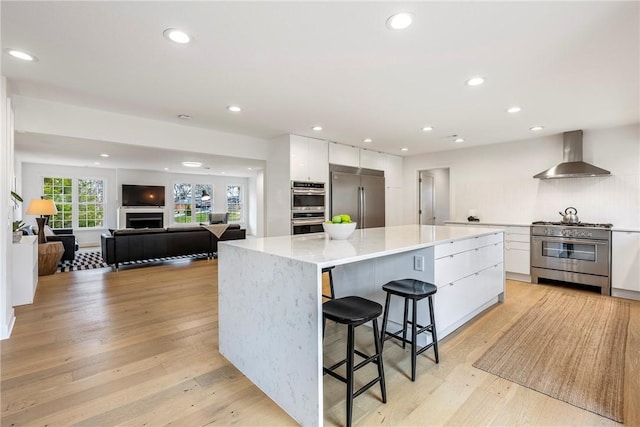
[625, 262]
[308, 159]
[393, 171]
[517, 250]
[25, 270]
[371, 159]
[345, 155]
[468, 273]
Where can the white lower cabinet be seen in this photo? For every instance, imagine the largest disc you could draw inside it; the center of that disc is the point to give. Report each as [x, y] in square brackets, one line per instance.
[25, 270]
[467, 280]
[625, 263]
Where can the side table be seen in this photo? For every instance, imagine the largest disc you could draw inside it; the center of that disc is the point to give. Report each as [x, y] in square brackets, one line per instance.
[49, 256]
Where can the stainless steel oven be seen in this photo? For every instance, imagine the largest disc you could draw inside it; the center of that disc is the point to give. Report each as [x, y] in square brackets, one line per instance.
[304, 222]
[579, 253]
[307, 196]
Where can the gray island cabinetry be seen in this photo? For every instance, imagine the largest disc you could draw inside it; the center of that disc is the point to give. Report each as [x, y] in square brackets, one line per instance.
[270, 304]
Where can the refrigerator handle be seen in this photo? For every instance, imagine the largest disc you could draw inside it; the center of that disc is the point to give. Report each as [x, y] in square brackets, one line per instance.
[362, 213]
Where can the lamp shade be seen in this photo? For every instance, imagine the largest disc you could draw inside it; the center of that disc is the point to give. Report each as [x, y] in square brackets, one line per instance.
[42, 207]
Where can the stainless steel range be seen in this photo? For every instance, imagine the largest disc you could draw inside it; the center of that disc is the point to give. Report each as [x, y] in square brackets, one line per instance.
[577, 253]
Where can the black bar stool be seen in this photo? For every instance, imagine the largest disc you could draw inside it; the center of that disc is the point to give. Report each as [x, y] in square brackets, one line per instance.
[328, 270]
[354, 311]
[414, 290]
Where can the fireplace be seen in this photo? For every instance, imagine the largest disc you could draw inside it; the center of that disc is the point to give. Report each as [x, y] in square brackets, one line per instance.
[144, 220]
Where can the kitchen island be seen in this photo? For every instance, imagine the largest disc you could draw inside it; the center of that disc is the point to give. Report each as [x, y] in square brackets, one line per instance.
[270, 303]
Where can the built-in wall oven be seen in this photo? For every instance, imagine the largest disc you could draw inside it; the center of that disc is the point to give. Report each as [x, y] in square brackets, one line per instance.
[307, 207]
[578, 253]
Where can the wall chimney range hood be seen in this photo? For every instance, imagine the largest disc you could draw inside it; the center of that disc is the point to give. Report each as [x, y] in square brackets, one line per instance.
[572, 166]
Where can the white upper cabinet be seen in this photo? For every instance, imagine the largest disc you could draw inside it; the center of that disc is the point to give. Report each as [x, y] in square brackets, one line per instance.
[393, 170]
[345, 155]
[372, 160]
[309, 159]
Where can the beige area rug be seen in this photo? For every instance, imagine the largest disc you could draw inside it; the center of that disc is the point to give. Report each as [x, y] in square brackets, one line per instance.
[569, 347]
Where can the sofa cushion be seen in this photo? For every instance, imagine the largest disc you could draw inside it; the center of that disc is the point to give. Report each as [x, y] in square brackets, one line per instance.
[181, 229]
[133, 231]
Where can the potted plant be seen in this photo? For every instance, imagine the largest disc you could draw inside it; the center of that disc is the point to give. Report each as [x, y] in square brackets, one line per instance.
[17, 233]
[16, 225]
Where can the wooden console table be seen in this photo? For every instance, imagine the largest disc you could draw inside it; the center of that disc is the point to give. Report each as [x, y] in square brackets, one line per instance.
[49, 256]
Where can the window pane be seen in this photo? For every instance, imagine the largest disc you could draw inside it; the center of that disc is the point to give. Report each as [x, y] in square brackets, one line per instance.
[234, 203]
[90, 202]
[182, 203]
[55, 188]
[204, 202]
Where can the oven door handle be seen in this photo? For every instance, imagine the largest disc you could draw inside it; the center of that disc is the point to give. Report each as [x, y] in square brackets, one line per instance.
[307, 192]
[571, 240]
[306, 221]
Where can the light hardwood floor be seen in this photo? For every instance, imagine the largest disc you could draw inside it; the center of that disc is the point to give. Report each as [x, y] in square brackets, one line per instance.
[139, 347]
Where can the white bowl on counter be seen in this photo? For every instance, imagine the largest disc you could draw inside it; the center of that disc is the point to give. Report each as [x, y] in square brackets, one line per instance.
[339, 231]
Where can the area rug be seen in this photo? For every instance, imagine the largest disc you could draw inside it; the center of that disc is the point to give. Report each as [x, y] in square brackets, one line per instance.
[569, 347]
[91, 260]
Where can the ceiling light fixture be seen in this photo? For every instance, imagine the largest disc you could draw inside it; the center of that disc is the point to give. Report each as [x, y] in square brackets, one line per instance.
[536, 128]
[192, 164]
[234, 108]
[166, 169]
[184, 117]
[96, 163]
[367, 140]
[399, 21]
[404, 149]
[20, 54]
[427, 129]
[513, 110]
[176, 36]
[459, 140]
[104, 155]
[317, 128]
[475, 81]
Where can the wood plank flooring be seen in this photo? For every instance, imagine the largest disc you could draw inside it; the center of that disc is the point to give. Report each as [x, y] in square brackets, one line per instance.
[139, 347]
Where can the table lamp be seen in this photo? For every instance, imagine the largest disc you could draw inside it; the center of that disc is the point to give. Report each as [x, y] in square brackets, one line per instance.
[44, 208]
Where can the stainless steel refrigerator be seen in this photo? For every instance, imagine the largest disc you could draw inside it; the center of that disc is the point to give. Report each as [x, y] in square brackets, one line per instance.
[359, 193]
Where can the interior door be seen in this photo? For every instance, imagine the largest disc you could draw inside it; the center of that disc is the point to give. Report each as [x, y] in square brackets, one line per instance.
[427, 200]
[373, 210]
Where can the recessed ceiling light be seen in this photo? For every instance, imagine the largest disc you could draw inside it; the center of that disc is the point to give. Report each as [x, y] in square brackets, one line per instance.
[234, 108]
[176, 36]
[184, 117]
[404, 149]
[96, 163]
[317, 128]
[250, 168]
[166, 169]
[427, 129]
[513, 110]
[536, 128]
[459, 140]
[21, 55]
[475, 81]
[192, 164]
[104, 155]
[367, 140]
[399, 21]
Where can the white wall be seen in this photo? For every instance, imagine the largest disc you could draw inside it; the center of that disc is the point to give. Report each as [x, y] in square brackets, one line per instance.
[278, 185]
[32, 174]
[7, 317]
[497, 180]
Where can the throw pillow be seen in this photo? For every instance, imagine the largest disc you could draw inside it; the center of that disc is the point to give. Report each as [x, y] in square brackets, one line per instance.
[27, 230]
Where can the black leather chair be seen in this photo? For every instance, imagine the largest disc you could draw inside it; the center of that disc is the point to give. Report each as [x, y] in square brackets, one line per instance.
[219, 218]
[65, 235]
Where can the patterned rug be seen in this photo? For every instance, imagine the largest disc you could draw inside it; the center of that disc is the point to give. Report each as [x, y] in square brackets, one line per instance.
[92, 260]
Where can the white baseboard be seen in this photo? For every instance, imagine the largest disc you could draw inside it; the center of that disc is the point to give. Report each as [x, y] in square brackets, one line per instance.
[624, 293]
[5, 330]
[517, 276]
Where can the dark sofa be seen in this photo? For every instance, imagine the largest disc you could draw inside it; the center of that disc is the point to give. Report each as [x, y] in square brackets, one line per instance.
[148, 243]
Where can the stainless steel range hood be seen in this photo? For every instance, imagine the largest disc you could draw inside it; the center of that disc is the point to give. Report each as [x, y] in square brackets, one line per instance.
[572, 166]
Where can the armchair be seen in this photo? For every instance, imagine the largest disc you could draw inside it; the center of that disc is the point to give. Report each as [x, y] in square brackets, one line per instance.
[219, 218]
[65, 235]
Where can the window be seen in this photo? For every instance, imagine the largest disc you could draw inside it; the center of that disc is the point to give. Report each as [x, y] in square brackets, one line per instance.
[192, 202]
[234, 203]
[90, 203]
[80, 202]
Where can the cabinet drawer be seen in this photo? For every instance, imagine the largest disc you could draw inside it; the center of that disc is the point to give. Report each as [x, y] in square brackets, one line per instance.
[450, 248]
[517, 261]
[454, 267]
[456, 300]
[487, 240]
[523, 246]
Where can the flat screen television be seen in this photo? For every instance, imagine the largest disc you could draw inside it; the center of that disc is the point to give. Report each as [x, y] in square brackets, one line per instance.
[142, 195]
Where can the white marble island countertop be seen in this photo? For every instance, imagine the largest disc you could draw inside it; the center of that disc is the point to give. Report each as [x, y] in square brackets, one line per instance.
[318, 248]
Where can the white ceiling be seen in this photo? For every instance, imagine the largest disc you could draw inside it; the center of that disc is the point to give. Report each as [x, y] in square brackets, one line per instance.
[292, 65]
